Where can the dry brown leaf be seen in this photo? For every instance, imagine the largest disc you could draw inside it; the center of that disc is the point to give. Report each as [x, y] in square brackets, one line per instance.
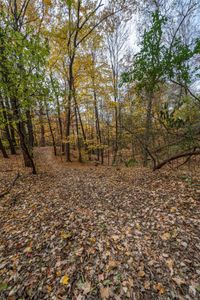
[101, 277]
[65, 235]
[104, 291]
[179, 281]
[112, 264]
[166, 236]
[115, 237]
[86, 287]
[79, 251]
[173, 209]
[58, 273]
[147, 285]
[141, 273]
[28, 250]
[49, 288]
[159, 288]
[170, 264]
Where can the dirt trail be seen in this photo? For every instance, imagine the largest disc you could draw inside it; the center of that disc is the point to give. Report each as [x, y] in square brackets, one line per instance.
[85, 232]
[46, 160]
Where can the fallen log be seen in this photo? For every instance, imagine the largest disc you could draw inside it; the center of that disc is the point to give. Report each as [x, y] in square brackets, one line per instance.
[10, 186]
[177, 156]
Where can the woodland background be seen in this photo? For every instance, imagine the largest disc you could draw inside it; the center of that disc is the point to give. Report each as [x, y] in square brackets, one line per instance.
[115, 82]
[94, 97]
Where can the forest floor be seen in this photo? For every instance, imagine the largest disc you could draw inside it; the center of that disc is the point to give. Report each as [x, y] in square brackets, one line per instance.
[89, 232]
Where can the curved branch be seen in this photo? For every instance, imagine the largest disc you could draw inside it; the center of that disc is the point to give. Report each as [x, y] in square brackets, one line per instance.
[177, 156]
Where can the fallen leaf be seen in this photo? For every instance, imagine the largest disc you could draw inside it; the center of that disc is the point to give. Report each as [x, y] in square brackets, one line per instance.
[173, 209]
[28, 250]
[166, 236]
[65, 280]
[104, 291]
[49, 288]
[141, 273]
[3, 286]
[65, 235]
[170, 264]
[92, 240]
[112, 264]
[79, 251]
[115, 237]
[101, 277]
[86, 287]
[160, 288]
[198, 289]
[147, 285]
[179, 281]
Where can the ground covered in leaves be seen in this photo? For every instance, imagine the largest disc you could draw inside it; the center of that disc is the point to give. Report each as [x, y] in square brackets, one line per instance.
[89, 232]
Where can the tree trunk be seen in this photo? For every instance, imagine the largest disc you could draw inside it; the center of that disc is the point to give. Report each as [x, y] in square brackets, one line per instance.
[28, 160]
[10, 119]
[8, 134]
[98, 129]
[42, 130]
[30, 130]
[3, 150]
[58, 112]
[68, 122]
[78, 138]
[148, 128]
[51, 130]
[116, 134]
[68, 125]
[78, 115]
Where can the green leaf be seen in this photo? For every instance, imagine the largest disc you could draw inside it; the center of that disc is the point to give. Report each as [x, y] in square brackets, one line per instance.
[3, 286]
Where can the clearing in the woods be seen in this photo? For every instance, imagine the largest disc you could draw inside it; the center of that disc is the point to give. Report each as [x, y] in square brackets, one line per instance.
[90, 232]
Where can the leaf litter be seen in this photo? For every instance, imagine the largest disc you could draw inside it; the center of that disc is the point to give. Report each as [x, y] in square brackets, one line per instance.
[98, 233]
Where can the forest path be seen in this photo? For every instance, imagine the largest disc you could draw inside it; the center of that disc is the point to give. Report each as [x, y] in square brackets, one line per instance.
[46, 160]
[75, 232]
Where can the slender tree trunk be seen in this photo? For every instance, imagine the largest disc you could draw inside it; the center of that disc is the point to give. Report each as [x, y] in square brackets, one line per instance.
[133, 147]
[42, 130]
[108, 144]
[10, 120]
[28, 160]
[58, 113]
[116, 136]
[68, 125]
[8, 134]
[70, 96]
[98, 129]
[30, 130]
[78, 115]
[148, 128]
[78, 137]
[3, 150]
[51, 130]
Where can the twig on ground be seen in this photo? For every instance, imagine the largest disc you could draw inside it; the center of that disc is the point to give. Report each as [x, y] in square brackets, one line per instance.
[10, 186]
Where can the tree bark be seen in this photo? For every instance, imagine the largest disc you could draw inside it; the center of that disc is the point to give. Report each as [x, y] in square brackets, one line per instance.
[42, 130]
[148, 129]
[3, 150]
[58, 113]
[28, 160]
[30, 130]
[51, 130]
[78, 137]
[97, 125]
[177, 156]
[68, 117]
[8, 134]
